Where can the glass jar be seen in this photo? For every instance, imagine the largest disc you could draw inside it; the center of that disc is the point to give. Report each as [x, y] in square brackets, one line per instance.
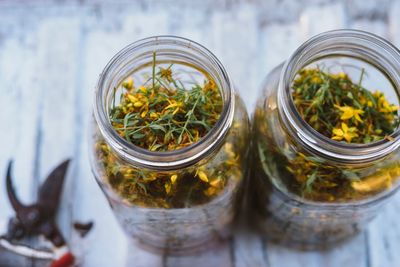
[158, 221]
[291, 155]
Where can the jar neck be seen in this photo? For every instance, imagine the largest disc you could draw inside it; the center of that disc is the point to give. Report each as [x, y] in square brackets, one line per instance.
[140, 53]
[348, 43]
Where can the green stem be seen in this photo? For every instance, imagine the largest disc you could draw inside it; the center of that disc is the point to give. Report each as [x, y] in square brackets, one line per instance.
[187, 121]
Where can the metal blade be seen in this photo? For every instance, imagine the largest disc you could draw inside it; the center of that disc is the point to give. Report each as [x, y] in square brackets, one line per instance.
[15, 203]
[51, 189]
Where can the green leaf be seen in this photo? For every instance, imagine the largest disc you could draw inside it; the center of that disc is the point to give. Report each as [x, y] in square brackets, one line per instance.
[315, 159]
[156, 146]
[142, 186]
[310, 180]
[351, 175]
[202, 123]
[179, 140]
[132, 123]
[138, 135]
[157, 127]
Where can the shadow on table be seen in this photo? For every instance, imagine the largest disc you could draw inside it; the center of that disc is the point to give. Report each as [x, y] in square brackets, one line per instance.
[219, 254]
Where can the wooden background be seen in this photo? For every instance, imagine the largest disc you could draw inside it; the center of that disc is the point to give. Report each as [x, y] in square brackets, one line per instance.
[51, 54]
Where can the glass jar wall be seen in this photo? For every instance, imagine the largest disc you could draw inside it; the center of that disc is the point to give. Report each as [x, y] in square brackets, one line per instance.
[180, 198]
[315, 188]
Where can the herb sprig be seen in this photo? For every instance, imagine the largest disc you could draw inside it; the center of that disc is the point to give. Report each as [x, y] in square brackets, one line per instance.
[345, 111]
[165, 116]
[340, 109]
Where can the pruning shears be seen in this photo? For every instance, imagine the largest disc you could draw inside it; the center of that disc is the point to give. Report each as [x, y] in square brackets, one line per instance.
[39, 219]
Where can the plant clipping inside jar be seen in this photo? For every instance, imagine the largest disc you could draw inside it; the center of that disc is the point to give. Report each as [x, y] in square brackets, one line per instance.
[169, 143]
[326, 135]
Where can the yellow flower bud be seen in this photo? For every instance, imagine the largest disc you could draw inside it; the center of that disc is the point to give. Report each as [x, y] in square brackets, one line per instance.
[138, 104]
[132, 98]
[203, 176]
[144, 113]
[173, 178]
[128, 83]
[216, 182]
[143, 89]
[153, 115]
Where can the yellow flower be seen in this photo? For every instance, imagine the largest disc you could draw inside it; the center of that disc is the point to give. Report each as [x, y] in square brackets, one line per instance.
[132, 98]
[173, 178]
[377, 94]
[167, 188]
[138, 104]
[174, 104]
[210, 191]
[144, 112]
[166, 73]
[342, 75]
[385, 106]
[143, 89]
[362, 100]
[350, 112]
[216, 182]
[316, 80]
[209, 85]
[345, 132]
[153, 115]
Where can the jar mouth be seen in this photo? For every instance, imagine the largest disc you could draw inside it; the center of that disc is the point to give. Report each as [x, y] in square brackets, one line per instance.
[348, 43]
[140, 53]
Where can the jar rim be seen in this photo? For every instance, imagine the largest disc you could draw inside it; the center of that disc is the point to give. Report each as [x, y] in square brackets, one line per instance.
[165, 160]
[313, 140]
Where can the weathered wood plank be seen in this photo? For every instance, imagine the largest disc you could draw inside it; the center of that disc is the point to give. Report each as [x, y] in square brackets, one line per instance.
[384, 231]
[248, 250]
[394, 23]
[57, 69]
[377, 27]
[20, 102]
[277, 43]
[330, 17]
[219, 255]
[235, 43]
[384, 236]
[18, 122]
[367, 9]
[192, 23]
[138, 257]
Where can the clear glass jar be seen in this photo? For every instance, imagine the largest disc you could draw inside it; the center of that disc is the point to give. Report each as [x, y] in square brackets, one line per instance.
[221, 155]
[284, 143]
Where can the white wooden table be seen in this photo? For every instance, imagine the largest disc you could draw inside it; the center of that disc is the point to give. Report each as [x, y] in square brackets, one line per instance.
[51, 54]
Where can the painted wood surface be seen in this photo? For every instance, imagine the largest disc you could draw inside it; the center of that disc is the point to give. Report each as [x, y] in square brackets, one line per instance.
[51, 54]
